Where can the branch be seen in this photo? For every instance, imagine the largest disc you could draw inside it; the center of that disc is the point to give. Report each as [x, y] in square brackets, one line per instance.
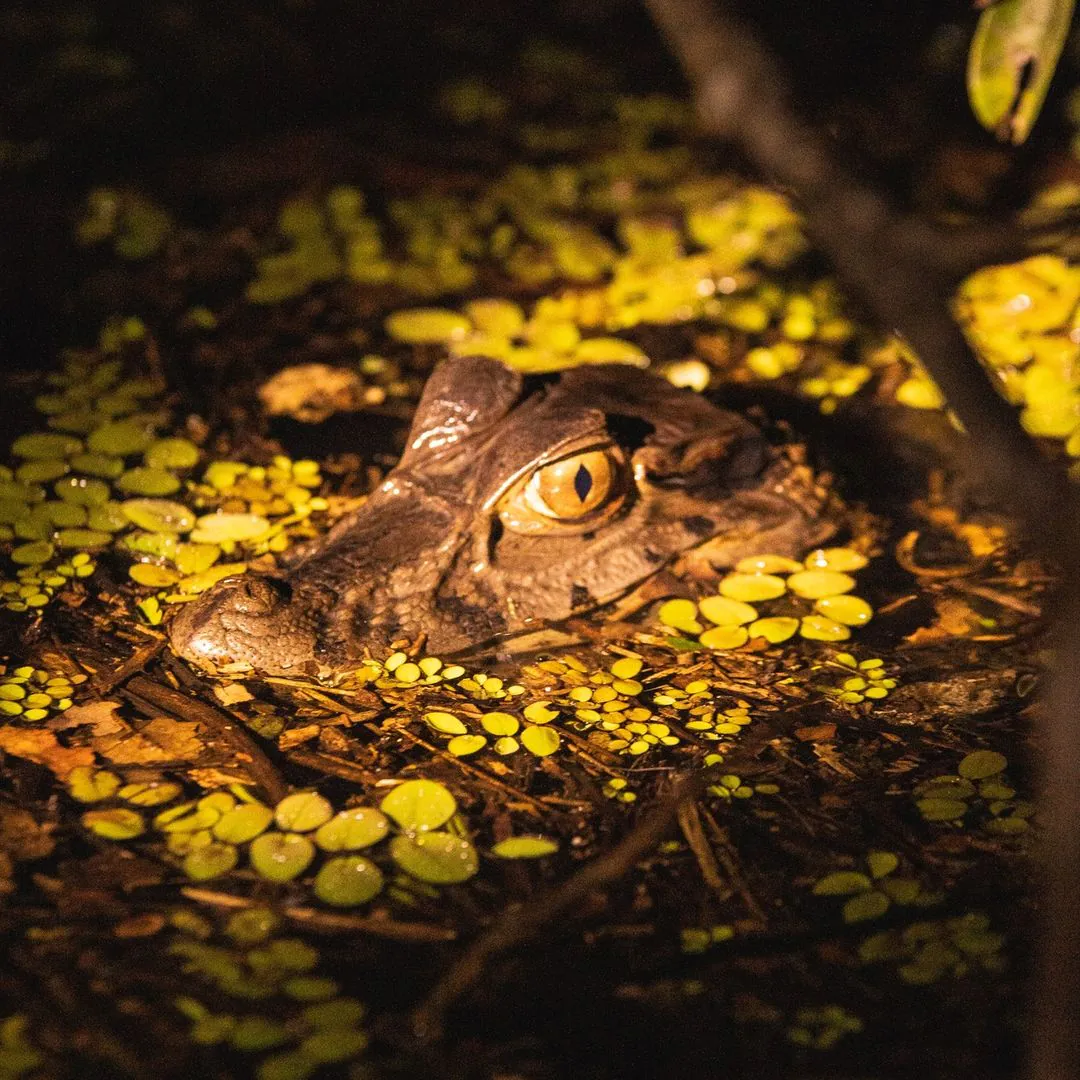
[518, 923]
[897, 266]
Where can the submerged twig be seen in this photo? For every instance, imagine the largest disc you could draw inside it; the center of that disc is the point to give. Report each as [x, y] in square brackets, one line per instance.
[726, 855]
[518, 923]
[331, 922]
[220, 725]
[690, 824]
[896, 264]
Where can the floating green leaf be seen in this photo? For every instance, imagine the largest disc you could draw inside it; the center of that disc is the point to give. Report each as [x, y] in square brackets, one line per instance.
[841, 883]
[438, 858]
[144, 480]
[85, 783]
[171, 453]
[352, 829]
[82, 491]
[427, 326]
[935, 809]
[217, 528]
[303, 811]
[37, 551]
[881, 863]
[340, 1013]
[866, 905]
[45, 445]
[464, 745]
[524, 847]
[982, 764]
[158, 515]
[900, 890]
[281, 856]
[153, 576]
[540, 741]
[211, 861]
[131, 435]
[243, 823]
[254, 1033]
[104, 465]
[444, 723]
[116, 824]
[419, 805]
[289, 1066]
[333, 1044]
[347, 881]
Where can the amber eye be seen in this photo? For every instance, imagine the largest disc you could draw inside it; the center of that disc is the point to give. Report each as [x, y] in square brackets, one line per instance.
[571, 488]
[575, 489]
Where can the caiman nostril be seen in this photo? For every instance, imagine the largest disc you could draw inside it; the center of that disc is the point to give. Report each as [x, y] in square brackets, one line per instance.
[258, 595]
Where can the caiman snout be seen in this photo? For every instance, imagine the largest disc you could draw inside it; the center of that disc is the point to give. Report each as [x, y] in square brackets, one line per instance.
[251, 595]
[248, 619]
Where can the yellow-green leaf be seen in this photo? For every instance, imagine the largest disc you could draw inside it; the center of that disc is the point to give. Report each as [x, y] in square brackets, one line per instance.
[1012, 59]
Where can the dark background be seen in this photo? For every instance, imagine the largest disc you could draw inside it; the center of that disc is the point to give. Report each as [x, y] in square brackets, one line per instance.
[122, 92]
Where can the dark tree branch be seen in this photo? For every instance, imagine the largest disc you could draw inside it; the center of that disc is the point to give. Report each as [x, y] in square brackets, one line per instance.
[897, 266]
[519, 923]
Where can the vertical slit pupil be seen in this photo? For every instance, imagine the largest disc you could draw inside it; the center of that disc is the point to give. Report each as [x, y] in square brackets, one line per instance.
[583, 482]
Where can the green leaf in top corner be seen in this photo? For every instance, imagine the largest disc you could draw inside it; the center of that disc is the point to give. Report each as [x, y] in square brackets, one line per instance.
[1012, 59]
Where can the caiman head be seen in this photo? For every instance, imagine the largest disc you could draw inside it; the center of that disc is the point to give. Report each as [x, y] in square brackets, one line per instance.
[517, 502]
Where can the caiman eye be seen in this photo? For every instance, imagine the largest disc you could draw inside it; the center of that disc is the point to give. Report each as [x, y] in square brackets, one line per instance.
[584, 488]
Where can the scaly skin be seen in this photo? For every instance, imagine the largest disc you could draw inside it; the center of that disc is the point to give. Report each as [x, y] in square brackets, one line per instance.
[435, 550]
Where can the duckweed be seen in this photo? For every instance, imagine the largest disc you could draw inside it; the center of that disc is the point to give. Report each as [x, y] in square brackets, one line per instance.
[863, 681]
[86, 784]
[32, 694]
[524, 847]
[822, 1027]
[427, 326]
[158, 515]
[303, 811]
[241, 824]
[926, 952]
[981, 788]
[464, 745]
[821, 628]
[279, 856]
[817, 584]
[347, 880]
[210, 861]
[438, 858]
[752, 588]
[757, 579]
[540, 741]
[419, 805]
[352, 829]
[870, 894]
[724, 611]
[114, 824]
[616, 788]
